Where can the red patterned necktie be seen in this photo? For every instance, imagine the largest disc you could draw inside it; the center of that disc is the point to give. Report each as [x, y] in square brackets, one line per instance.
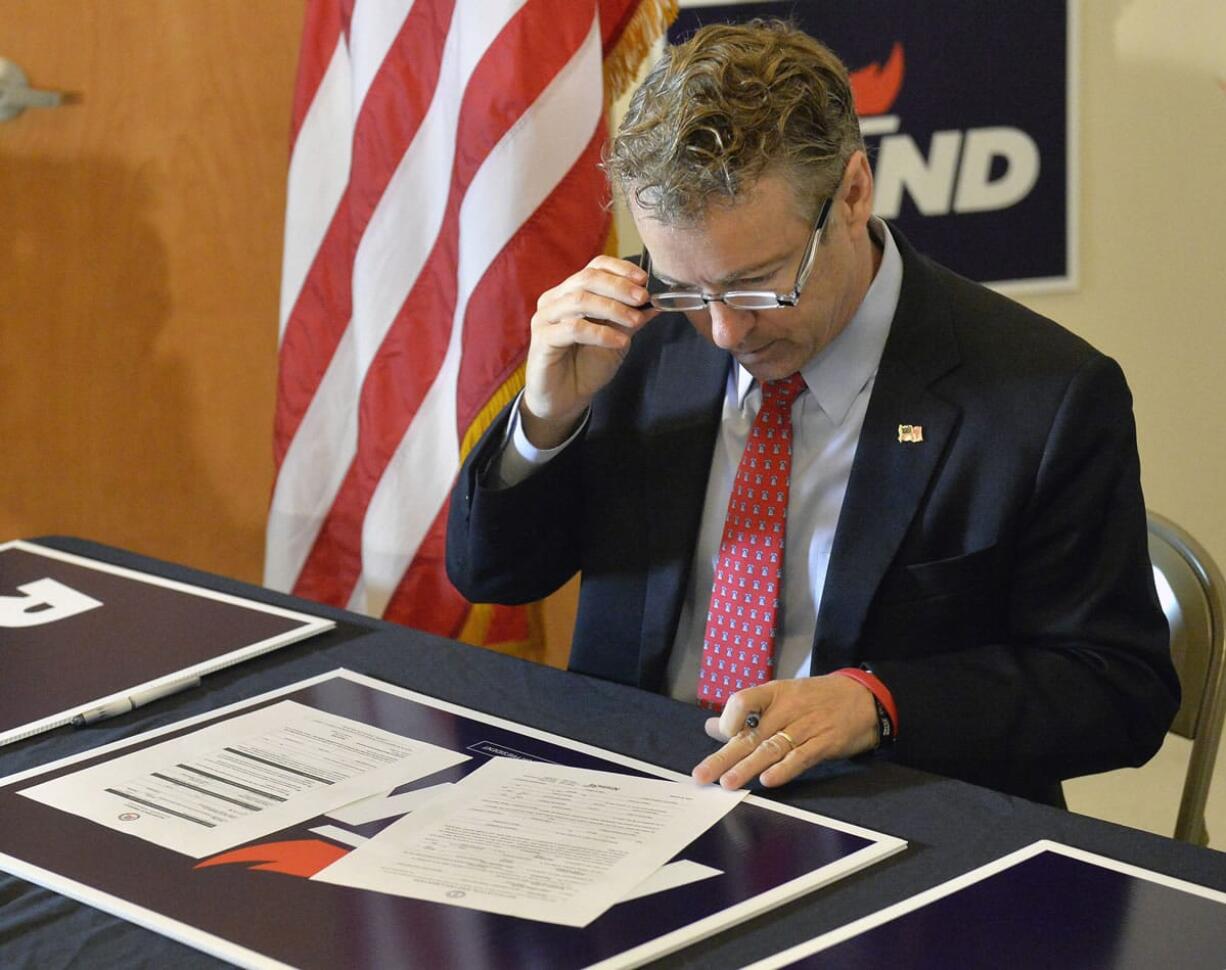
[738, 648]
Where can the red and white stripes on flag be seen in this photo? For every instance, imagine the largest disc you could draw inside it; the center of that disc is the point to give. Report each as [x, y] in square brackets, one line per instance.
[443, 173]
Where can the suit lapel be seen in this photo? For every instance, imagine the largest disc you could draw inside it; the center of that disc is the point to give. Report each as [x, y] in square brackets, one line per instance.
[681, 413]
[888, 477]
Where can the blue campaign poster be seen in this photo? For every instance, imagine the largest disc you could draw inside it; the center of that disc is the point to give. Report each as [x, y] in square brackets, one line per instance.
[968, 113]
[256, 905]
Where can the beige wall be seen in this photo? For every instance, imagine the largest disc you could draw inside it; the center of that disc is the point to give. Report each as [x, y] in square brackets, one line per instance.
[1152, 217]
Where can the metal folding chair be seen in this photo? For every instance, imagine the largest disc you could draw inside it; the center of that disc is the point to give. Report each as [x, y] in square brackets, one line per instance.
[1191, 589]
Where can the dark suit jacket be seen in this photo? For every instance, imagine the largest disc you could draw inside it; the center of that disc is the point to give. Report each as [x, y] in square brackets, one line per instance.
[995, 575]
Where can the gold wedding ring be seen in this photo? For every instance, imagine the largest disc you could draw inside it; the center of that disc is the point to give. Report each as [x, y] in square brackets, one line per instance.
[777, 747]
[788, 738]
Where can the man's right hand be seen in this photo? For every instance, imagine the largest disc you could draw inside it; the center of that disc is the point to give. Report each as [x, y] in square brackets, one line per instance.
[581, 332]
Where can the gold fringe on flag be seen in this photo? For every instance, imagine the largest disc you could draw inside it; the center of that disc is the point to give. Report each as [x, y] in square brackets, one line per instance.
[611, 245]
[648, 24]
[498, 400]
[477, 624]
[480, 615]
[477, 627]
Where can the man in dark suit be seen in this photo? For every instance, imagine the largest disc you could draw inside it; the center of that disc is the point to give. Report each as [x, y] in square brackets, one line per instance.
[965, 585]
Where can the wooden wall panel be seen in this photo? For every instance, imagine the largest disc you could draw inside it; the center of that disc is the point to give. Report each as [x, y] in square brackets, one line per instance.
[140, 248]
[140, 241]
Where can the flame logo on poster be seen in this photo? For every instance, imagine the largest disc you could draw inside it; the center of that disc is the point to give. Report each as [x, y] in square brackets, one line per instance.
[290, 857]
[962, 170]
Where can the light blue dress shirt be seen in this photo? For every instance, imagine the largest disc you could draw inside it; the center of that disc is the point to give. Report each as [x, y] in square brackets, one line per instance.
[826, 425]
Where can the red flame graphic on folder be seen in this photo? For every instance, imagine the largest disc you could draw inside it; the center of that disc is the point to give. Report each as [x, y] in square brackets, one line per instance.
[300, 857]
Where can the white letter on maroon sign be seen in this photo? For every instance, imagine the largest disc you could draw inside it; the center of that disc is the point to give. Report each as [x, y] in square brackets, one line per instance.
[45, 601]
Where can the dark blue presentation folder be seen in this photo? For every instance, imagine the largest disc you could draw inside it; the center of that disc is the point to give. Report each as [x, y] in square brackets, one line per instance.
[1047, 905]
[762, 854]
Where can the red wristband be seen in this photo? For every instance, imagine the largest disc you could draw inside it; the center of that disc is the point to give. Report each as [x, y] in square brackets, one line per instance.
[881, 695]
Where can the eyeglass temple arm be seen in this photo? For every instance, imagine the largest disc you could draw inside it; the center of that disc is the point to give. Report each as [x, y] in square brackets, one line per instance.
[806, 266]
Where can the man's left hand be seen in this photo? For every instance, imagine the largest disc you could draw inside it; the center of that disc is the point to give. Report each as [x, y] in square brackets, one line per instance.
[801, 722]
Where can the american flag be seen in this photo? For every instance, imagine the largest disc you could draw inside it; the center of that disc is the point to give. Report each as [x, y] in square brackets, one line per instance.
[443, 173]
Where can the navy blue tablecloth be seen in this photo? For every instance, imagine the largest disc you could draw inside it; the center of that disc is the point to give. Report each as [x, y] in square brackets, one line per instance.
[951, 827]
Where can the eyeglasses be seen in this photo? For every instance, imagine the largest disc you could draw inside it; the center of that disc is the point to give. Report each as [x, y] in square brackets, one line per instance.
[743, 299]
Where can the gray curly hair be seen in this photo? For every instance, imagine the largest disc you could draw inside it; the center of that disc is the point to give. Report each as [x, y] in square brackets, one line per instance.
[718, 111]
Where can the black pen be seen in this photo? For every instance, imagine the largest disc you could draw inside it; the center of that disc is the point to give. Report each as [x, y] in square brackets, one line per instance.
[753, 719]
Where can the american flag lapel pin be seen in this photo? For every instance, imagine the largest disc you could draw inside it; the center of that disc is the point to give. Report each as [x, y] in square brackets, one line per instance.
[911, 434]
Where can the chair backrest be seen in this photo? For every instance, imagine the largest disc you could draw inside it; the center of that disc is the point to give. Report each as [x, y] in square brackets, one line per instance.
[1191, 590]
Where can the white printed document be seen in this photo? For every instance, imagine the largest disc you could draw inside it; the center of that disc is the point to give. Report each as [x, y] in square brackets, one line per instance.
[536, 841]
[243, 777]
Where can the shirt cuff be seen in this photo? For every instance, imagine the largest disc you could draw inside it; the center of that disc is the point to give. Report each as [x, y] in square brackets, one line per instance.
[519, 458]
